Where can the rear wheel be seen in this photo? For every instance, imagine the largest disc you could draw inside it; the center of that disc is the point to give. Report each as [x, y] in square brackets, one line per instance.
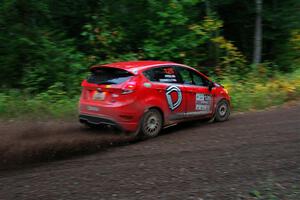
[222, 111]
[151, 124]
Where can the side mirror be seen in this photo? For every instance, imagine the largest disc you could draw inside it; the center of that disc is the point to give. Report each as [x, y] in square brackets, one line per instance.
[211, 85]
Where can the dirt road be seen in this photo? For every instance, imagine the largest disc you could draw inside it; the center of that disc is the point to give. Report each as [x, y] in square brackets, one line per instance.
[192, 161]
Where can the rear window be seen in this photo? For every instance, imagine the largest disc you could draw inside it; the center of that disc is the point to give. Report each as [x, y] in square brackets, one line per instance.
[108, 76]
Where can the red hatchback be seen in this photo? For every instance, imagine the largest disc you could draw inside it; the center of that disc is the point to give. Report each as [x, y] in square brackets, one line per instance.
[144, 96]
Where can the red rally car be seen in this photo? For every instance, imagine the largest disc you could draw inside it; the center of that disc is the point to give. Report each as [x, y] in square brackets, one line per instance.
[142, 97]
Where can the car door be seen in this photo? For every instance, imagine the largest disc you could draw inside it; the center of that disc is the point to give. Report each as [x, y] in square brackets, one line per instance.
[166, 88]
[199, 98]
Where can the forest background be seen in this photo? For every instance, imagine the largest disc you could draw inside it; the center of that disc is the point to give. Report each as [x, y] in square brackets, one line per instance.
[252, 47]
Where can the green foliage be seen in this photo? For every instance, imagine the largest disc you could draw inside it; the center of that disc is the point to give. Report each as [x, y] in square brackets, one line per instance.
[57, 62]
[259, 90]
[282, 23]
[291, 51]
[228, 58]
[32, 56]
[178, 38]
[104, 39]
[46, 47]
[170, 34]
[22, 24]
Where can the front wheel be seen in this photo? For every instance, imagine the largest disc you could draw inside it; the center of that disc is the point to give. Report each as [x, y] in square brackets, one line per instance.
[222, 111]
[151, 124]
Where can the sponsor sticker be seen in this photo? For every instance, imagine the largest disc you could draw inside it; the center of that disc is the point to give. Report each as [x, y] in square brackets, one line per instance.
[169, 70]
[173, 104]
[203, 102]
[167, 80]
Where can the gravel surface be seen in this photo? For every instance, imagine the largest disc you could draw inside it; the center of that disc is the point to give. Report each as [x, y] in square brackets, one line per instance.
[189, 161]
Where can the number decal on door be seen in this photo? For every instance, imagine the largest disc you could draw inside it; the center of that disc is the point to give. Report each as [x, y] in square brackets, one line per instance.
[173, 103]
[203, 102]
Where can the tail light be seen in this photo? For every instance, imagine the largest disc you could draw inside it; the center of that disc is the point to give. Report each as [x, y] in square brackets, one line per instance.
[129, 88]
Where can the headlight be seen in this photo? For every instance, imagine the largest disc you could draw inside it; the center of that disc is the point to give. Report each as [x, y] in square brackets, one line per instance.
[226, 91]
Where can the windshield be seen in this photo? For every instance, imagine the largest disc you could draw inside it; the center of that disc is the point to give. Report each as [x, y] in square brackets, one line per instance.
[107, 75]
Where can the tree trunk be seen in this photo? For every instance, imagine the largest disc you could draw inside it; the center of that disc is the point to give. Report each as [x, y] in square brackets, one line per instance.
[207, 8]
[258, 33]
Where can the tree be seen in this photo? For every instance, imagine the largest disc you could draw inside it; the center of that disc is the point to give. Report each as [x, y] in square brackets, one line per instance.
[33, 55]
[257, 54]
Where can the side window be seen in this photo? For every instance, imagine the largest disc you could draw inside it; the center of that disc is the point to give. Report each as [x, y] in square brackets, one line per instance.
[189, 77]
[199, 80]
[162, 74]
[185, 76]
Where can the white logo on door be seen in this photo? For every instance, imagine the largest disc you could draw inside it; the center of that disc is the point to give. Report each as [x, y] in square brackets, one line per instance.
[172, 103]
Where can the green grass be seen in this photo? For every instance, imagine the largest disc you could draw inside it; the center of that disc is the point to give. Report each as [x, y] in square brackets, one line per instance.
[271, 189]
[16, 105]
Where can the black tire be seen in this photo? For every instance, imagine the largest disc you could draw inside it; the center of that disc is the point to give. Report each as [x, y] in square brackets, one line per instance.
[222, 112]
[151, 124]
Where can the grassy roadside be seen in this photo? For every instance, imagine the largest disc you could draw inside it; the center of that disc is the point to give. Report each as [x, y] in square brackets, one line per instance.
[14, 105]
[273, 189]
[253, 93]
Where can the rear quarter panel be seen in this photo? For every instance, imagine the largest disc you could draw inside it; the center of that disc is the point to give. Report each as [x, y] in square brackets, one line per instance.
[151, 97]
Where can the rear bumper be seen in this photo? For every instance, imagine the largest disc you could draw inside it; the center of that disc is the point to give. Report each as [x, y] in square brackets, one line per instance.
[125, 117]
[97, 120]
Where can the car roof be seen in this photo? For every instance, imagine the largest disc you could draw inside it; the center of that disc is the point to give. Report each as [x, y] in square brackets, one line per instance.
[136, 67]
[130, 65]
